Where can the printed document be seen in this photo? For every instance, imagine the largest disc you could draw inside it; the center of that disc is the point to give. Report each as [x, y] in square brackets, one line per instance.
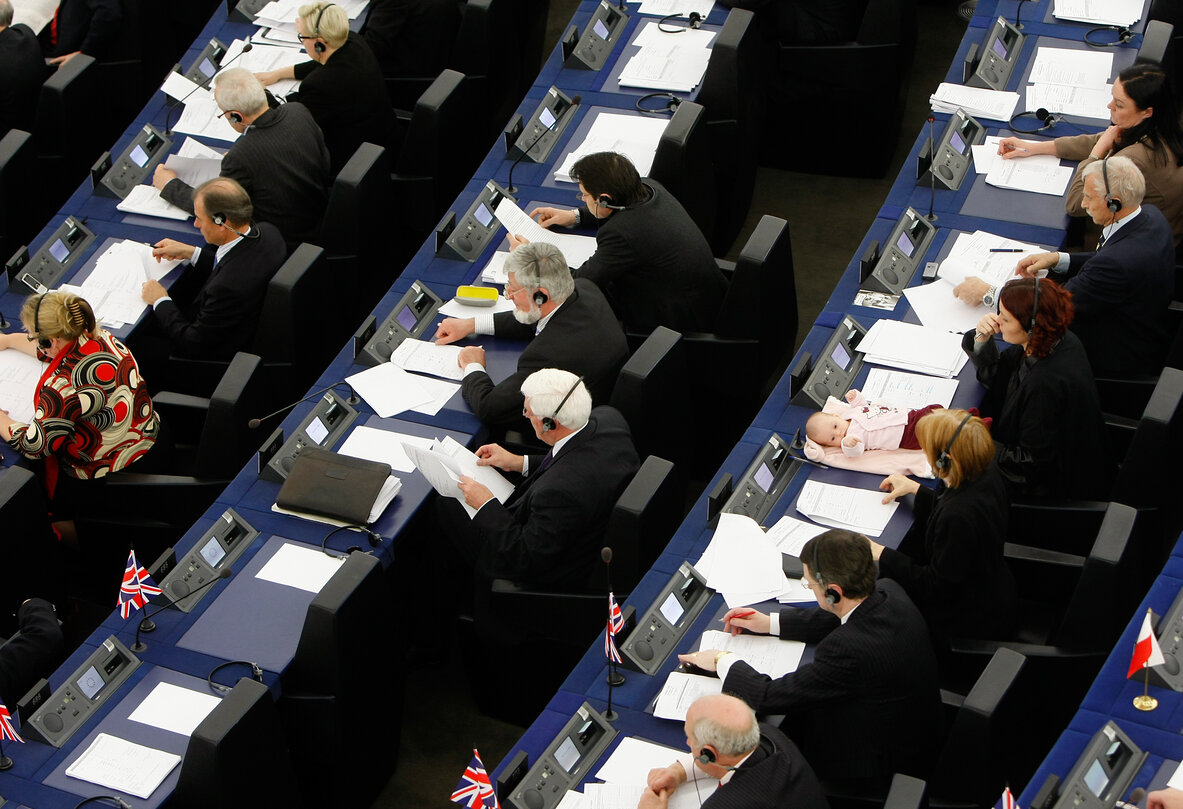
[914, 348]
[126, 766]
[680, 691]
[1099, 12]
[634, 136]
[1041, 174]
[1076, 68]
[1085, 102]
[384, 446]
[576, 249]
[19, 376]
[912, 391]
[996, 105]
[146, 200]
[425, 357]
[445, 461]
[632, 760]
[300, 566]
[846, 507]
[765, 653]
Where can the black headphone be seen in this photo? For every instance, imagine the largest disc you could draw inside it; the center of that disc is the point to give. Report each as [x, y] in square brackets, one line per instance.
[219, 219]
[42, 342]
[695, 22]
[1034, 307]
[320, 46]
[1048, 119]
[605, 201]
[832, 595]
[540, 298]
[943, 460]
[672, 102]
[233, 115]
[1111, 202]
[548, 422]
[256, 674]
[1124, 35]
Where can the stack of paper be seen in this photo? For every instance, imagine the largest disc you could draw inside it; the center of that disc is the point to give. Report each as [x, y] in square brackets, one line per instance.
[742, 563]
[680, 692]
[445, 461]
[494, 272]
[634, 136]
[664, 8]
[175, 709]
[122, 765]
[1070, 81]
[994, 104]
[146, 200]
[300, 566]
[195, 162]
[860, 510]
[665, 62]
[1099, 12]
[391, 390]
[576, 249]
[262, 58]
[913, 348]
[384, 446]
[425, 357]
[614, 796]
[20, 375]
[764, 653]
[204, 118]
[912, 391]
[114, 288]
[1041, 174]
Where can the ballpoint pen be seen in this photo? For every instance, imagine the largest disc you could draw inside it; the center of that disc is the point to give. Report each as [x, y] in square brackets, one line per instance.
[747, 614]
[1007, 250]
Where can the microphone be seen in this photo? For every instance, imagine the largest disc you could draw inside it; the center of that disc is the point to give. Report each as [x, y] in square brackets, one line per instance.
[606, 555]
[255, 423]
[168, 127]
[148, 625]
[1018, 14]
[932, 175]
[575, 100]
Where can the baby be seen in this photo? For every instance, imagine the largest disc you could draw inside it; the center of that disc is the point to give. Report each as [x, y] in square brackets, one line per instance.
[860, 425]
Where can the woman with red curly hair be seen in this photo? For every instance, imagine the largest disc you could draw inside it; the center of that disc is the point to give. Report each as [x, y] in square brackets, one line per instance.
[1041, 393]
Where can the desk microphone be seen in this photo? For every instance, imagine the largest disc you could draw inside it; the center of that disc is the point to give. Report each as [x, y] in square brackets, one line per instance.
[148, 625]
[1018, 14]
[255, 423]
[575, 100]
[932, 173]
[168, 127]
[615, 678]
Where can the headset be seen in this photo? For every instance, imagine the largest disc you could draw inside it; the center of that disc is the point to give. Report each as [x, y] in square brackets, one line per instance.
[832, 595]
[1124, 35]
[219, 688]
[42, 342]
[1034, 308]
[219, 219]
[320, 46]
[695, 22]
[605, 201]
[1048, 119]
[1111, 202]
[672, 102]
[548, 422]
[943, 461]
[540, 299]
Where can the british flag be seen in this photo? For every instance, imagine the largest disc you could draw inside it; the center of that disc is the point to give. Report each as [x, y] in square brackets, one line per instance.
[7, 731]
[615, 624]
[137, 587]
[474, 789]
[1008, 800]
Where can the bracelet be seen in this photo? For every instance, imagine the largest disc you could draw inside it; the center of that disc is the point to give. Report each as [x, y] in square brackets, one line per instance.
[719, 657]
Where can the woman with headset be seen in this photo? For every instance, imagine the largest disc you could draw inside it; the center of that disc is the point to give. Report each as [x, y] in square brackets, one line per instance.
[1145, 129]
[93, 416]
[1040, 392]
[950, 562]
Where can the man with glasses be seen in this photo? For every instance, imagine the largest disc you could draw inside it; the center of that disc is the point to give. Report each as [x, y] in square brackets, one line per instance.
[868, 705]
[280, 159]
[568, 323]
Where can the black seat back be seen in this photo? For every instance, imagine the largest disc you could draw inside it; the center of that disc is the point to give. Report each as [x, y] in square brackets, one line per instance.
[18, 160]
[684, 165]
[226, 440]
[644, 519]
[651, 393]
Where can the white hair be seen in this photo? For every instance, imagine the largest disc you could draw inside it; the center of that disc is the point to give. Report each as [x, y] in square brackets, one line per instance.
[1126, 182]
[5, 13]
[728, 741]
[546, 389]
[539, 264]
[238, 89]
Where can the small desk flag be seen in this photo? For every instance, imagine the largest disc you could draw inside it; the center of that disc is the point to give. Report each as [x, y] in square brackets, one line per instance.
[1147, 652]
[1008, 800]
[474, 790]
[137, 587]
[7, 731]
[615, 624]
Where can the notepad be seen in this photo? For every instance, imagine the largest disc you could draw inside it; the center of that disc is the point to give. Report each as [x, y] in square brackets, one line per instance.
[125, 766]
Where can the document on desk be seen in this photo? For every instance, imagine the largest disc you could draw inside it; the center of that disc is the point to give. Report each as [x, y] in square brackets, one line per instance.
[146, 200]
[846, 507]
[113, 288]
[997, 105]
[385, 446]
[902, 389]
[576, 249]
[624, 796]
[390, 390]
[178, 87]
[1086, 102]
[175, 709]
[20, 376]
[634, 136]
[683, 8]
[985, 153]
[765, 653]
[1099, 12]
[425, 357]
[938, 308]
[194, 170]
[914, 348]
[193, 148]
[669, 63]
[203, 117]
[494, 272]
[789, 534]
[445, 461]
[302, 567]
[632, 760]
[680, 691]
[265, 57]
[1078, 68]
[118, 764]
[742, 563]
[1041, 174]
[1176, 780]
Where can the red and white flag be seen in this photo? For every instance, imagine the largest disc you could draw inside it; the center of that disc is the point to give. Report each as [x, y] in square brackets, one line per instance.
[7, 731]
[1008, 800]
[1147, 652]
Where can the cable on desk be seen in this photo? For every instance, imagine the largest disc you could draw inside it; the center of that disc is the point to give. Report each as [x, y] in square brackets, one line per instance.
[1124, 35]
[218, 688]
[115, 801]
[671, 105]
[695, 22]
[374, 537]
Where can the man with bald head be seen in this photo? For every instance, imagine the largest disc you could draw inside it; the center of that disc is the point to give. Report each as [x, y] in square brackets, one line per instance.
[741, 763]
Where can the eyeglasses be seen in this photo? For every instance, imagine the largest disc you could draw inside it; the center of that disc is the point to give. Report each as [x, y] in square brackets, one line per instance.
[806, 583]
[508, 294]
[42, 342]
[303, 37]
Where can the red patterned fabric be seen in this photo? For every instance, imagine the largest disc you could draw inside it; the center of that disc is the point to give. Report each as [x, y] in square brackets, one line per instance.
[93, 413]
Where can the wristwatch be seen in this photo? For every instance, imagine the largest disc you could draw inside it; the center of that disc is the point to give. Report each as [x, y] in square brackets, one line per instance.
[575, 211]
[990, 297]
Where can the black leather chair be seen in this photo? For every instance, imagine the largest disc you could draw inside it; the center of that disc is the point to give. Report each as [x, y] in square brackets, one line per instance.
[684, 164]
[732, 94]
[65, 150]
[1171, 11]
[1158, 45]
[18, 213]
[906, 792]
[33, 553]
[652, 392]
[1128, 396]
[486, 53]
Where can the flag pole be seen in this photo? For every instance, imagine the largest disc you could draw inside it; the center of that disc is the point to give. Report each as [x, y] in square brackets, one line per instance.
[5, 761]
[1145, 702]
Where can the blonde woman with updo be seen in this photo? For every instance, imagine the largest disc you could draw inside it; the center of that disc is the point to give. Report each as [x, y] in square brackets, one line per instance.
[93, 416]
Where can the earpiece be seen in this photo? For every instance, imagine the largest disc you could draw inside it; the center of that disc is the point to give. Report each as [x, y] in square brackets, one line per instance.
[943, 460]
[548, 422]
[706, 756]
[605, 201]
[234, 116]
[831, 595]
[540, 298]
[320, 46]
[42, 342]
[219, 219]
[1111, 202]
[1034, 308]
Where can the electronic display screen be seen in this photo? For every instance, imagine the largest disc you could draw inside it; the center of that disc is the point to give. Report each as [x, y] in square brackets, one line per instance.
[999, 48]
[1096, 779]
[904, 245]
[90, 683]
[483, 215]
[957, 143]
[207, 67]
[139, 156]
[600, 29]
[671, 609]
[567, 756]
[763, 478]
[406, 318]
[213, 553]
[59, 251]
[840, 356]
[547, 117]
[316, 431]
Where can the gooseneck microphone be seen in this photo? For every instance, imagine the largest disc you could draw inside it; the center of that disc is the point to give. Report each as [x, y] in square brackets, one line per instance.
[255, 423]
[168, 127]
[932, 174]
[148, 625]
[575, 101]
[615, 678]
[1019, 14]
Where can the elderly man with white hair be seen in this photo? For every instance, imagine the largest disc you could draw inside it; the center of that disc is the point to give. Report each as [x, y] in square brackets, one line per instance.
[548, 532]
[280, 159]
[1122, 290]
[740, 763]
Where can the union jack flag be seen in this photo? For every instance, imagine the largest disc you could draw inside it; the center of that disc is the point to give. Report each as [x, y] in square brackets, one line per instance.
[1008, 800]
[474, 789]
[137, 587]
[615, 624]
[7, 731]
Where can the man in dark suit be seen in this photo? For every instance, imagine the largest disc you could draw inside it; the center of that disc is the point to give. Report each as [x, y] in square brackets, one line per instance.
[82, 26]
[281, 159]
[1121, 292]
[23, 69]
[747, 765]
[30, 654]
[412, 37]
[342, 86]
[873, 669]
[806, 22]
[548, 531]
[212, 312]
[651, 260]
[567, 321]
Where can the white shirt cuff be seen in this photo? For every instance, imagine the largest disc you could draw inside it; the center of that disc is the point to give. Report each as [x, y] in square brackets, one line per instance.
[1062, 264]
[725, 663]
[196, 255]
[483, 323]
[774, 624]
[525, 466]
[159, 301]
[472, 368]
[687, 762]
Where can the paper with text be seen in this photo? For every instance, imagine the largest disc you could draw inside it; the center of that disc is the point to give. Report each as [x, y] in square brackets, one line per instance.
[118, 764]
[860, 510]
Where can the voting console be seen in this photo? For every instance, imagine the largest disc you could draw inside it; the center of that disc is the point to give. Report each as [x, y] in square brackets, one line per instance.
[49, 265]
[991, 65]
[891, 271]
[663, 625]
[834, 372]
[411, 317]
[590, 51]
[565, 762]
[323, 427]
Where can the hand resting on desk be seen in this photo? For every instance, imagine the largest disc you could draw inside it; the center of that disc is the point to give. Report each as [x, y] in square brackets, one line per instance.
[546, 216]
[453, 329]
[655, 800]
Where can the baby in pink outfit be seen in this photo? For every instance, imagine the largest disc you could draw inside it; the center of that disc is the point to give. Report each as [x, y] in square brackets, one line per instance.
[857, 425]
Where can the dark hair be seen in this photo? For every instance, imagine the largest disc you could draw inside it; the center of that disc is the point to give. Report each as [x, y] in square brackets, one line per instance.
[225, 196]
[1148, 86]
[612, 174]
[842, 558]
[1054, 315]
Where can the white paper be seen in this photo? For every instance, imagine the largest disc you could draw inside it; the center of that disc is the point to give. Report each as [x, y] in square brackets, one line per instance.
[303, 568]
[632, 760]
[146, 200]
[389, 389]
[1085, 102]
[178, 87]
[384, 446]
[913, 348]
[445, 461]
[626, 796]
[125, 766]
[680, 692]
[175, 709]
[742, 564]
[764, 653]
[985, 153]
[667, 62]
[571, 800]
[663, 8]
[1077, 68]
[1099, 12]
[938, 308]
[1041, 174]
[194, 170]
[34, 13]
[997, 105]
[494, 271]
[1176, 781]
[860, 510]
[202, 117]
[19, 377]
[454, 308]
[576, 249]
[911, 391]
[425, 357]
[789, 534]
[465, 461]
[633, 136]
[439, 392]
[192, 147]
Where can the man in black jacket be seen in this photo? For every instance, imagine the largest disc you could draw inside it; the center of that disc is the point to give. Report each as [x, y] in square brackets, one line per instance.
[873, 669]
[569, 326]
[743, 764]
[23, 69]
[30, 654]
[82, 26]
[212, 312]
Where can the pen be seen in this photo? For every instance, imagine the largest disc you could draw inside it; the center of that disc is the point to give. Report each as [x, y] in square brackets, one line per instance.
[1007, 250]
[742, 615]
